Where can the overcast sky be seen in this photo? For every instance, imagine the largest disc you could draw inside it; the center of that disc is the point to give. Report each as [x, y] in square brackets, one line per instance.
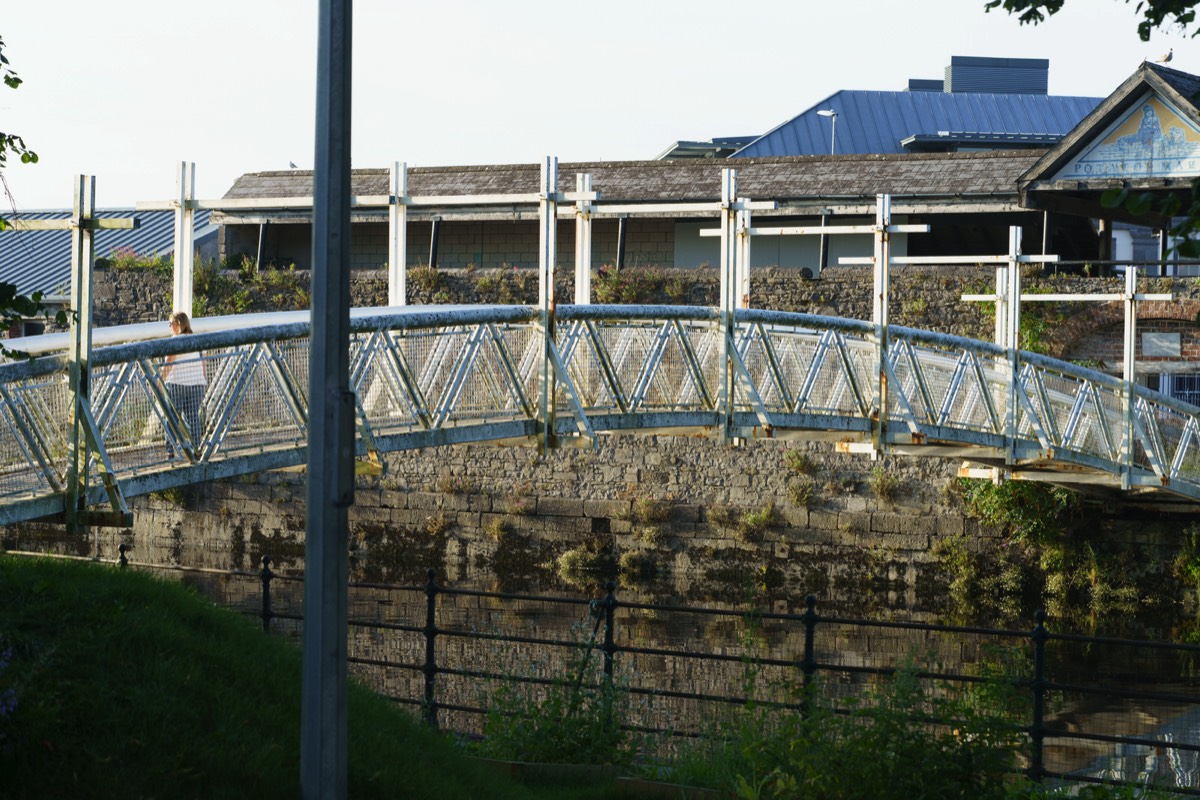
[126, 89]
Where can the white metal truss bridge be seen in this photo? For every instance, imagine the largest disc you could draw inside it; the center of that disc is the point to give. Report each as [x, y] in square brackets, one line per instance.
[441, 375]
[83, 429]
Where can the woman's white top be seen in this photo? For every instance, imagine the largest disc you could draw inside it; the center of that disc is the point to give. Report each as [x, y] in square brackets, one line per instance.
[186, 370]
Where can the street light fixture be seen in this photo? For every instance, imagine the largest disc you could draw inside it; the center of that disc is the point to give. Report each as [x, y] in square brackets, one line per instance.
[829, 112]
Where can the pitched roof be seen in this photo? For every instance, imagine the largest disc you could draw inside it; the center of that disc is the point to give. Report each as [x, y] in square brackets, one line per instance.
[1041, 186]
[815, 178]
[881, 122]
[40, 261]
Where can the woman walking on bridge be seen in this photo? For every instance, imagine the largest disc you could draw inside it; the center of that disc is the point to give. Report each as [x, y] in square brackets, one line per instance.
[184, 376]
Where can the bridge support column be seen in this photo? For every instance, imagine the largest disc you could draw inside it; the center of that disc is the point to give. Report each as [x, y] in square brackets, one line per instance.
[398, 235]
[185, 238]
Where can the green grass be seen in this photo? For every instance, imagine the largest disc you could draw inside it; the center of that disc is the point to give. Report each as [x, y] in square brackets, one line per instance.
[130, 686]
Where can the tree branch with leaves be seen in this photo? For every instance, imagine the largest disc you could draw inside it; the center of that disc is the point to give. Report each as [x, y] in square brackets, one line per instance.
[15, 307]
[1156, 14]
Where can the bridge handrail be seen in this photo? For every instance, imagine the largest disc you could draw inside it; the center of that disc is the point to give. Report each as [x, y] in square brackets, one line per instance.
[152, 340]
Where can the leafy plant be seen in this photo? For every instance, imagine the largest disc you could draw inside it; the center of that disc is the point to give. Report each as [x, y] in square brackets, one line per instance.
[753, 524]
[802, 493]
[1027, 510]
[801, 463]
[879, 745]
[646, 510]
[585, 566]
[630, 286]
[573, 720]
[426, 280]
[884, 483]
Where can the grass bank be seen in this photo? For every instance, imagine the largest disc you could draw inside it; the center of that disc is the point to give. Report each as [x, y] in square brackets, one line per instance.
[119, 684]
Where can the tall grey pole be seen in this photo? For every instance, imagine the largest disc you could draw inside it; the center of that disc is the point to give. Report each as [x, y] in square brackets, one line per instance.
[323, 750]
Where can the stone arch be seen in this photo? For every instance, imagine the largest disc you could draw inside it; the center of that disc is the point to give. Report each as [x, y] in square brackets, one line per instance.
[1097, 316]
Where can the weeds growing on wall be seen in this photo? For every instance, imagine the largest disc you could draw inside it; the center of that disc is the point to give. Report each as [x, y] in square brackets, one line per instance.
[634, 285]
[126, 258]
[246, 288]
[801, 463]
[884, 483]
[753, 524]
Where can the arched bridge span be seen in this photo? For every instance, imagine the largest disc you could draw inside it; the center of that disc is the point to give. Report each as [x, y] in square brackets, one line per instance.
[440, 375]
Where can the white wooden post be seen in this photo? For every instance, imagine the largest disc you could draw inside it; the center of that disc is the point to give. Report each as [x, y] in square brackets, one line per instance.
[583, 242]
[883, 219]
[79, 371]
[742, 261]
[1012, 328]
[1129, 373]
[185, 237]
[398, 235]
[729, 291]
[547, 249]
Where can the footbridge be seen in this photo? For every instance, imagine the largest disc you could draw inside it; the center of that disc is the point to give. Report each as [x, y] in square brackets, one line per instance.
[440, 375]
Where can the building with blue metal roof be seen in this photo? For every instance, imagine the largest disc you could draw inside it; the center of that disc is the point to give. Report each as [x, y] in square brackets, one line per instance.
[40, 261]
[912, 122]
[980, 104]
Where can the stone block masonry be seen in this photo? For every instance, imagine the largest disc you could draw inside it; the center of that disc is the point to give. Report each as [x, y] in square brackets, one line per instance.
[664, 509]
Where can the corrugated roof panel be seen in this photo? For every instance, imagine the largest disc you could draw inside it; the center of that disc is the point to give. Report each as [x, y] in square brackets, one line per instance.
[41, 260]
[876, 122]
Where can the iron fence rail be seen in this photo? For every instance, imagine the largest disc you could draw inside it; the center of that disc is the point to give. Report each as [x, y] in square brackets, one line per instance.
[444, 375]
[439, 633]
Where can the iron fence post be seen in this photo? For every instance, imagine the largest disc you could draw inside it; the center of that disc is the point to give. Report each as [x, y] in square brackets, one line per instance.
[122, 549]
[610, 606]
[431, 631]
[265, 576]
[1037, 730]
[809, 665]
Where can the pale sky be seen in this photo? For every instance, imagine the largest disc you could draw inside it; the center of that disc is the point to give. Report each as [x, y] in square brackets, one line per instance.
[126, 89]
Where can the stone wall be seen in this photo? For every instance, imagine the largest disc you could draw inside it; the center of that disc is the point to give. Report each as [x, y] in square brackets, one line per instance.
[666, 514]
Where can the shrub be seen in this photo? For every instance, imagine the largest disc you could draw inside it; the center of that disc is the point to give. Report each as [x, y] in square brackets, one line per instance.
[802, 493]
[753, 524]
[632, 285]
[646, 510]
[577, 720]
[884, 484]
[879, 746]
[801, 463]
[1026, 510]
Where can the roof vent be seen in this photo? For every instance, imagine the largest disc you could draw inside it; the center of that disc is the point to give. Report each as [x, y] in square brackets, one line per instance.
[924, 85]
[997, 75]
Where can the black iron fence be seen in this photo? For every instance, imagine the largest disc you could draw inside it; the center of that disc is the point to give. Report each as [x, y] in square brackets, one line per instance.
[1100, 709]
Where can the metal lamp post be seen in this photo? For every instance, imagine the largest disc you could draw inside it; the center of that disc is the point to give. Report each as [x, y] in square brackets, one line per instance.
[829, 112]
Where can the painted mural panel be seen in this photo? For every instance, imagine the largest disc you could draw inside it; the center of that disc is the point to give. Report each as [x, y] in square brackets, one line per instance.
[1152, 141]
